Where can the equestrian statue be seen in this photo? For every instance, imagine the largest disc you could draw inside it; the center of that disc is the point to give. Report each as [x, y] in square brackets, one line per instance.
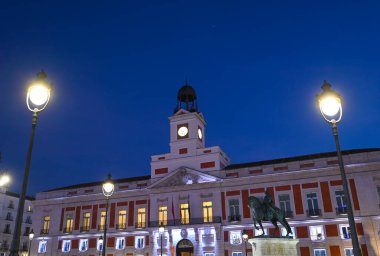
[265, 210]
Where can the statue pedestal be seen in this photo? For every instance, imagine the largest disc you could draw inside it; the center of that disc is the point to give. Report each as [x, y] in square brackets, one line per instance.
[270, 246]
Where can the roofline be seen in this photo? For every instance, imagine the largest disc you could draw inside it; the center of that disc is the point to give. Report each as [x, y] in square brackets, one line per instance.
[99, 183]
[9, 193]
[299, 158]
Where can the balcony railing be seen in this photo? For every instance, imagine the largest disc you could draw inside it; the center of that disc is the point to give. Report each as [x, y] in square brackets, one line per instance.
[233, 218]
[11, 206]
[9, 218]
[314, 212]
[121, 226]
[288, 214]
[28, 221]
[191, 221]
[67, 230]
[101, 227]
[44, 231]
[341, 210]
[140, 225]
[7, 231]
[84, 228]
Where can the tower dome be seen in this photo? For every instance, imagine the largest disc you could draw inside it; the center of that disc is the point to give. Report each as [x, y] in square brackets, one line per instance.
[186, 99]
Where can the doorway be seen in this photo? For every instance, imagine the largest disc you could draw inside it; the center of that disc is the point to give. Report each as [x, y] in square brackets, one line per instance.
[185, 248]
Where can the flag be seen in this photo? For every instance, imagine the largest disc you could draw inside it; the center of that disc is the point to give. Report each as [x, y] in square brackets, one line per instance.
[173, 209]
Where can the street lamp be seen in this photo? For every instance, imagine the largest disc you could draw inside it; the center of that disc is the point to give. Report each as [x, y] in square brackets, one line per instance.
[4, 179]
[31, 236]
[108, 188]
[330, 105]
[161, 230]
[245, 238]
[37, 98]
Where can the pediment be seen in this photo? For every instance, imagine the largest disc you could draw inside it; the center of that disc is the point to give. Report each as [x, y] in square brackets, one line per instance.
[184, 176]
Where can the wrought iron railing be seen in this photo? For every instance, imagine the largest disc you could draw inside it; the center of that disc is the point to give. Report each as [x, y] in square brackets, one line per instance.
[67, 230]
[341, 210]
[44, 231]
[314, 212]
[233, 218]
[191, 221]
[121, 226]
[84, 228]
[140, 225]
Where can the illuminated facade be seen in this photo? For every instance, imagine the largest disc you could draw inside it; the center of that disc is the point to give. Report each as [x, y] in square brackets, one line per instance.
[201, 199]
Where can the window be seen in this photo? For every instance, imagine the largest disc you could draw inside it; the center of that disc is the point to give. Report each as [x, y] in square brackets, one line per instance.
[27, 231]
[312, 204]
[99, 245]
[7, 229]
[28, 220]
[341, 202]
[9, 216]
[207, 211]
[260, 232]
[120, 242]
[163, 215]
[66, 245]
[141, 217]
[235, 237]
[185, 215]
[29, 208]
[319, 252]
[293, 234]
[139, 242]
[209, 254]
[316, 233]
[284, 203]
[237, 254]
[46, 224]
[69, 223]
[345, 232]
[234, 210]
[378, 191]
[86, 221]
[102, 223]
[42, 246]
[122, 219]
[83, 245]
[348, 252]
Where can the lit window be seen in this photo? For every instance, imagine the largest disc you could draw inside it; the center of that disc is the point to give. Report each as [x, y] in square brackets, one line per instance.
[120, 242]
[46, 224]
[100, 245]
[207, 211]
[345, 232]
[260, 232]
[235, 237]
[29, 208]
[237, 254]
[66, 245]
[122, 219]
[348, 252]
[316, 233]
[83, 245]
[209, 254]
[139, 242]
[69, 223]
[185, 215]
[163, 215]
[141, 217]
[86, 221]
[319, 252]
[42, 246]
[102, 220]
[284, 232]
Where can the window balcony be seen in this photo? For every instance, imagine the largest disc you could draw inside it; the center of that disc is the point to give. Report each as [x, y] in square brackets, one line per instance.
[9, 218]
[341, 210]
[44, 231]
[288, 214]
[234, 218]
[84, 228]
[191, 221]
[7, 231]
[140, 225]
[4, 247]
[67, 230]
[121, 226]
[11, 206]
[28, 221]
[101, 227]
[314, 212]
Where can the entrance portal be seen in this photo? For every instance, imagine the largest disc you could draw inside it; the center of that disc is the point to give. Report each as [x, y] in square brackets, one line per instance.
[185, 248]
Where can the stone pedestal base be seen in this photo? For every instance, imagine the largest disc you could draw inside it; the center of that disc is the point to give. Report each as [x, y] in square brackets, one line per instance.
[267, 246]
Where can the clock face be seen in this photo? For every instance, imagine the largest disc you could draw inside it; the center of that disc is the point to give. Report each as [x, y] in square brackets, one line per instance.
[182, 131]
[200, 134]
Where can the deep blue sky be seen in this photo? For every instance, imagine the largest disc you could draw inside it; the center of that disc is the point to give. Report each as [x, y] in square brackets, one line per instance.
[117, 67]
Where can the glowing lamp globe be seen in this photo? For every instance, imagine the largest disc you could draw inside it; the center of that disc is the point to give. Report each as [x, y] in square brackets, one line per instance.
[38, 94]
[108, 187]
[330, 104]
[245, 236]
[31, 235]
[161, 229]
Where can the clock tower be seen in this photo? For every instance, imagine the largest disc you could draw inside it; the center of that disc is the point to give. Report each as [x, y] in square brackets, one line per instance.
[187, 140]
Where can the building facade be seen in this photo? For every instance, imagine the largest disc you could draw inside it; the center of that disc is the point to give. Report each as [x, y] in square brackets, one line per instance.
[8, 214]
[201, 200]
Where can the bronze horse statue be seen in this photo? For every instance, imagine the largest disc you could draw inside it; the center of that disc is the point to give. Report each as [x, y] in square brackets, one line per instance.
[265, 210]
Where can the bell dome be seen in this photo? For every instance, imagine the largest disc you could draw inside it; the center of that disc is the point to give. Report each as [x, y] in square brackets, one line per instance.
[186, 99]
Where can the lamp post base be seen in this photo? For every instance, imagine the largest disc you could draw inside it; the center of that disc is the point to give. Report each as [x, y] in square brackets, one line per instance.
[266, 246]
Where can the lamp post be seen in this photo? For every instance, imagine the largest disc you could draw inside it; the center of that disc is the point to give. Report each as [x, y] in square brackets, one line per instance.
[330, 105]
[245, 238]
[108, 188]
[31, 236]
[37, 98]
[161, 230]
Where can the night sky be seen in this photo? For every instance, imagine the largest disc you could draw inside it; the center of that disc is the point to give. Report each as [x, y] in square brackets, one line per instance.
[116, 67]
